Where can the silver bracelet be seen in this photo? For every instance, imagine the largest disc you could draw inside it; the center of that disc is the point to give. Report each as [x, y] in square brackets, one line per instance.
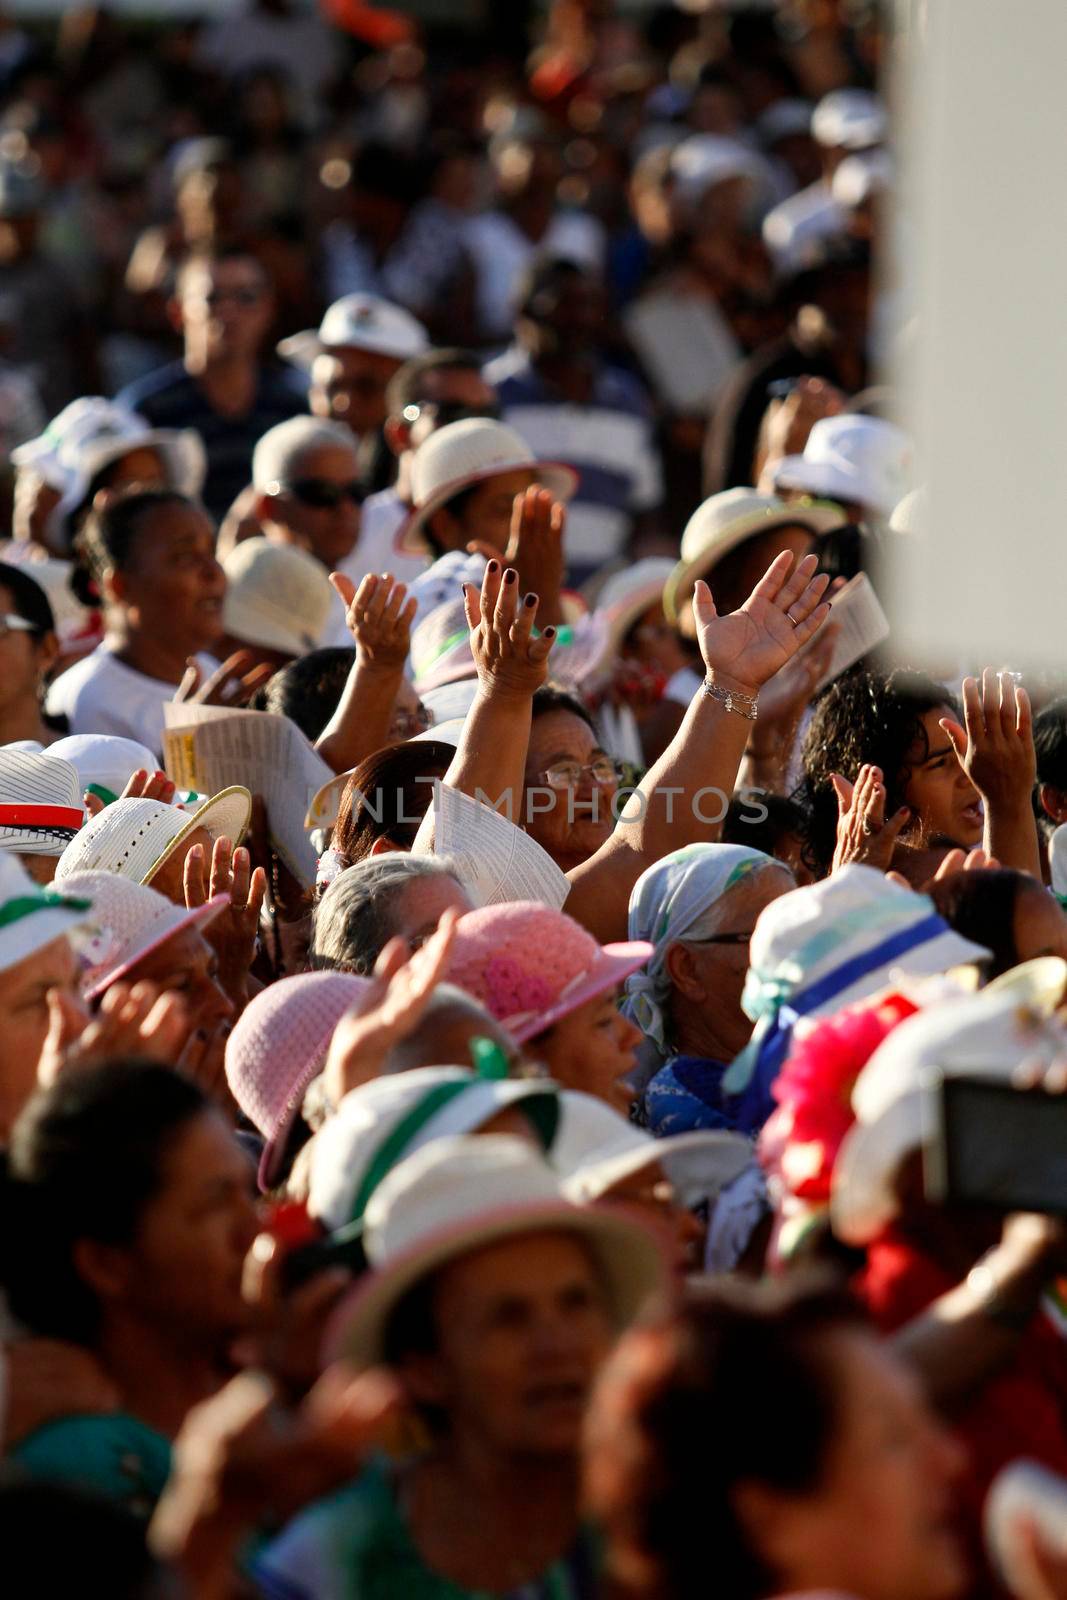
[732, 700]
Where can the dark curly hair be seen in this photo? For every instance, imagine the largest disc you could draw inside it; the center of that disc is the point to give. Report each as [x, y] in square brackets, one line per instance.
[863, 716]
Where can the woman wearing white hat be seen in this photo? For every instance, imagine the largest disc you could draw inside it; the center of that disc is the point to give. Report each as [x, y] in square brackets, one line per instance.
[495, 1300]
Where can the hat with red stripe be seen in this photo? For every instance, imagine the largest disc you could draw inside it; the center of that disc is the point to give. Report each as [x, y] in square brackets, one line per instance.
[40, 802]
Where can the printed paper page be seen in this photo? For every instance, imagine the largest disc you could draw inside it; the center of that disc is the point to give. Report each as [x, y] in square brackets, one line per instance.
[496, 860]
[207, 748]
[863, 623]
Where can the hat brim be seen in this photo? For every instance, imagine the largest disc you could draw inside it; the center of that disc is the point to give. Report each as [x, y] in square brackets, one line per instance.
[555, 476]
[242, 618]
[225, 816]
[301, 349]
[183, 456]
[454, 667]
[198, 917]
[25, 938]
[939, 955]
[613, 966]
[727, 1155]
[863, 1201]
[827, 482]
[818, 520]
[627, 1253]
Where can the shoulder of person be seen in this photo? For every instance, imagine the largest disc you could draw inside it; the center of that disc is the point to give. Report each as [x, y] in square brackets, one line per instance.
[318, 1555]
[158, 382]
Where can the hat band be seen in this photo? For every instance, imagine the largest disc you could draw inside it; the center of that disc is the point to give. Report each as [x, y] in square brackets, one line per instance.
[33, 816]
[395, 1144]
[422, 666]
[25, 905]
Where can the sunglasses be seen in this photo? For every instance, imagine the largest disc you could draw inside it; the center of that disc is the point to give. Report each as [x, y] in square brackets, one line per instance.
[321, 494]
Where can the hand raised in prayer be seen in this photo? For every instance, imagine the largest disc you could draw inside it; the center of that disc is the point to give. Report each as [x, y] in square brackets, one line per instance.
[141, 785]
[231, 684]
[379, 616]
[745, 648]
[134, 1020]
[996, 747]
[400, 991]
[863, 834]
[510, 660]
[534, 547]
[232, 935]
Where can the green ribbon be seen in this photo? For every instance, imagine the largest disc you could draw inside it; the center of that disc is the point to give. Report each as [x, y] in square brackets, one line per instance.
[489, 1061]
[396, 1144]
[25, 905]
[108, 796]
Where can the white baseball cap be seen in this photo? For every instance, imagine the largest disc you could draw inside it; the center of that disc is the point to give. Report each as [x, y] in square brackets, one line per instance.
[104, 762]
[277, 596]
[126, 923]
[32, 917]
[852, 457]
[41, 807]
[462, 454]
[359, 322]
[133, 838]
[849, 119]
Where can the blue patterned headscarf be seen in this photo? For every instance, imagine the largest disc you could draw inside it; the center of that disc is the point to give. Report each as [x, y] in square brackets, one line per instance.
[667, 902]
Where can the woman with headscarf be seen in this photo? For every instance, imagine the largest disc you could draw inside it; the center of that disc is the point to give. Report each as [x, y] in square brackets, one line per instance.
[698, 906]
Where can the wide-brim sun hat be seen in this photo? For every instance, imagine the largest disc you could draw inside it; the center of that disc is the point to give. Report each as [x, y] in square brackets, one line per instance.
[135, 837]
[382, 1122]
[725, 521]
[358, 322]
[530, 965]
[41, 810]
[32, 917]
[127, 922]
[464, 454]
[596, 1149]
[462, 1195]
[987, 1035]
[864, 460]
[452, 701]
[277, 597]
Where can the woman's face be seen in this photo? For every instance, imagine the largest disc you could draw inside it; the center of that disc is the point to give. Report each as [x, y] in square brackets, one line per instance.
[592, 1049]
[185, 1265]
[654, 643]
[25, 659]
[1039, 925]
[173, 586]
[523, 1328]
[880, 1524]
[24, 992]
[565, 809]
[185, 964]
[941, 796]
[143, 466]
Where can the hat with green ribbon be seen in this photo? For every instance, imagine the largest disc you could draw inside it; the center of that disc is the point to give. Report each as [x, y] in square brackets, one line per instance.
[31, 917]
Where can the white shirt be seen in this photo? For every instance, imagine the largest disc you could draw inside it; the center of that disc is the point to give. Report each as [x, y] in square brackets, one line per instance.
[102, 695]
[375, 551]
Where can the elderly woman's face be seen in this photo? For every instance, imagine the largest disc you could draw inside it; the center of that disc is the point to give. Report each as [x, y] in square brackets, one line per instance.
[566, 809]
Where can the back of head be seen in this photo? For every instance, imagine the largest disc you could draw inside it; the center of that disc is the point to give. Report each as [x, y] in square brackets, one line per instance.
[451, 1017]
[1050, 746]
[981, 906]
[307, 690]
[387, 797]
[97, 1535]
[357, 916]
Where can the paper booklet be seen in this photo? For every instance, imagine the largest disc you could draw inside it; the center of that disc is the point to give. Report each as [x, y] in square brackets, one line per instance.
[207, 748]
[494, 859]
[858, 612]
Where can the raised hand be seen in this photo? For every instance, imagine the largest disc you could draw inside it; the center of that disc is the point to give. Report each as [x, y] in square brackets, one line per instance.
[745, 648]
[863, 834]
[400, 991]
[231, 684]
[534, 547]
[996, 750]
[233, 934]
[379, 617]
[134, 1020]
[509, 659]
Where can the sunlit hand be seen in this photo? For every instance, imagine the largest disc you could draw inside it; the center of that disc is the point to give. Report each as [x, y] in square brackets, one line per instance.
[509, 659]
[863, 834]
[745, 648]
[232, 935]
[379, 616]
[133, 1020]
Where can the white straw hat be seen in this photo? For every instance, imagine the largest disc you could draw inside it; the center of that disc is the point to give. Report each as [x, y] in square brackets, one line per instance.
[359, 322]
[852, 457]
[32, 917]
[41, 807]
[277, 596]
[384, 1121]
[459, 1195]
[724, 521]
[133, 838]
[92, 432]
[596, 1149]
[105, 762]
[126, 923]
[987, 1035]
[462, 454]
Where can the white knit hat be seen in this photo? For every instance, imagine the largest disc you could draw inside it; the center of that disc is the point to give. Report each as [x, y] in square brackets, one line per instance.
[359, 322]
[32, 917]
[41, 807]
[277, 596]
[126, 923]
[133, 838]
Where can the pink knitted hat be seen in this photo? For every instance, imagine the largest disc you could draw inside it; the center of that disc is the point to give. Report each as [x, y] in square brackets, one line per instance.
[278, 1045]
[530, 965]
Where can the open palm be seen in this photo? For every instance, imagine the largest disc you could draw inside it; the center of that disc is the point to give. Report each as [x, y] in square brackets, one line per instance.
[785, 609]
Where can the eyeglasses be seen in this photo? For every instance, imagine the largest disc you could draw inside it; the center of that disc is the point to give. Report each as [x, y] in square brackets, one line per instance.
[445, 411]
[724, 938]
[9, 623]
[406, 724]
[569, 774]
[321, 494]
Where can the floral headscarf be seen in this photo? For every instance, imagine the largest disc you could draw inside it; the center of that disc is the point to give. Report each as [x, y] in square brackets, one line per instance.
[667, 901]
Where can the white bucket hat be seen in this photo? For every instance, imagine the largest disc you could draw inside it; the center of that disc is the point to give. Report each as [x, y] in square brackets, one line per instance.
[104, 762]
[384, 1121]
[849, 119]
[359, 322]
[852, 457]
[726, 520]
[596, 1149]
[987, 1035]
[41, 807]
[462, 454]
[133, 838]
[92, 432]
[460, 1195]
[277, 596]
[126, 923]
[32, 917]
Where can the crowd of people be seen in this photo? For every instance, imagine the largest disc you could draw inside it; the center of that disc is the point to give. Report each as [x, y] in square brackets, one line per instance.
[518, 1003]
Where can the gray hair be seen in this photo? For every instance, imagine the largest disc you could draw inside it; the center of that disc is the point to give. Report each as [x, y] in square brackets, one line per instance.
[355, 920]
[278, 454]
[447, 1005]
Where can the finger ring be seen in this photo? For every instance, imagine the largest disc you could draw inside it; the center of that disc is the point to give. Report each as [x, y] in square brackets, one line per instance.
[868, 827]
[793, 620]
